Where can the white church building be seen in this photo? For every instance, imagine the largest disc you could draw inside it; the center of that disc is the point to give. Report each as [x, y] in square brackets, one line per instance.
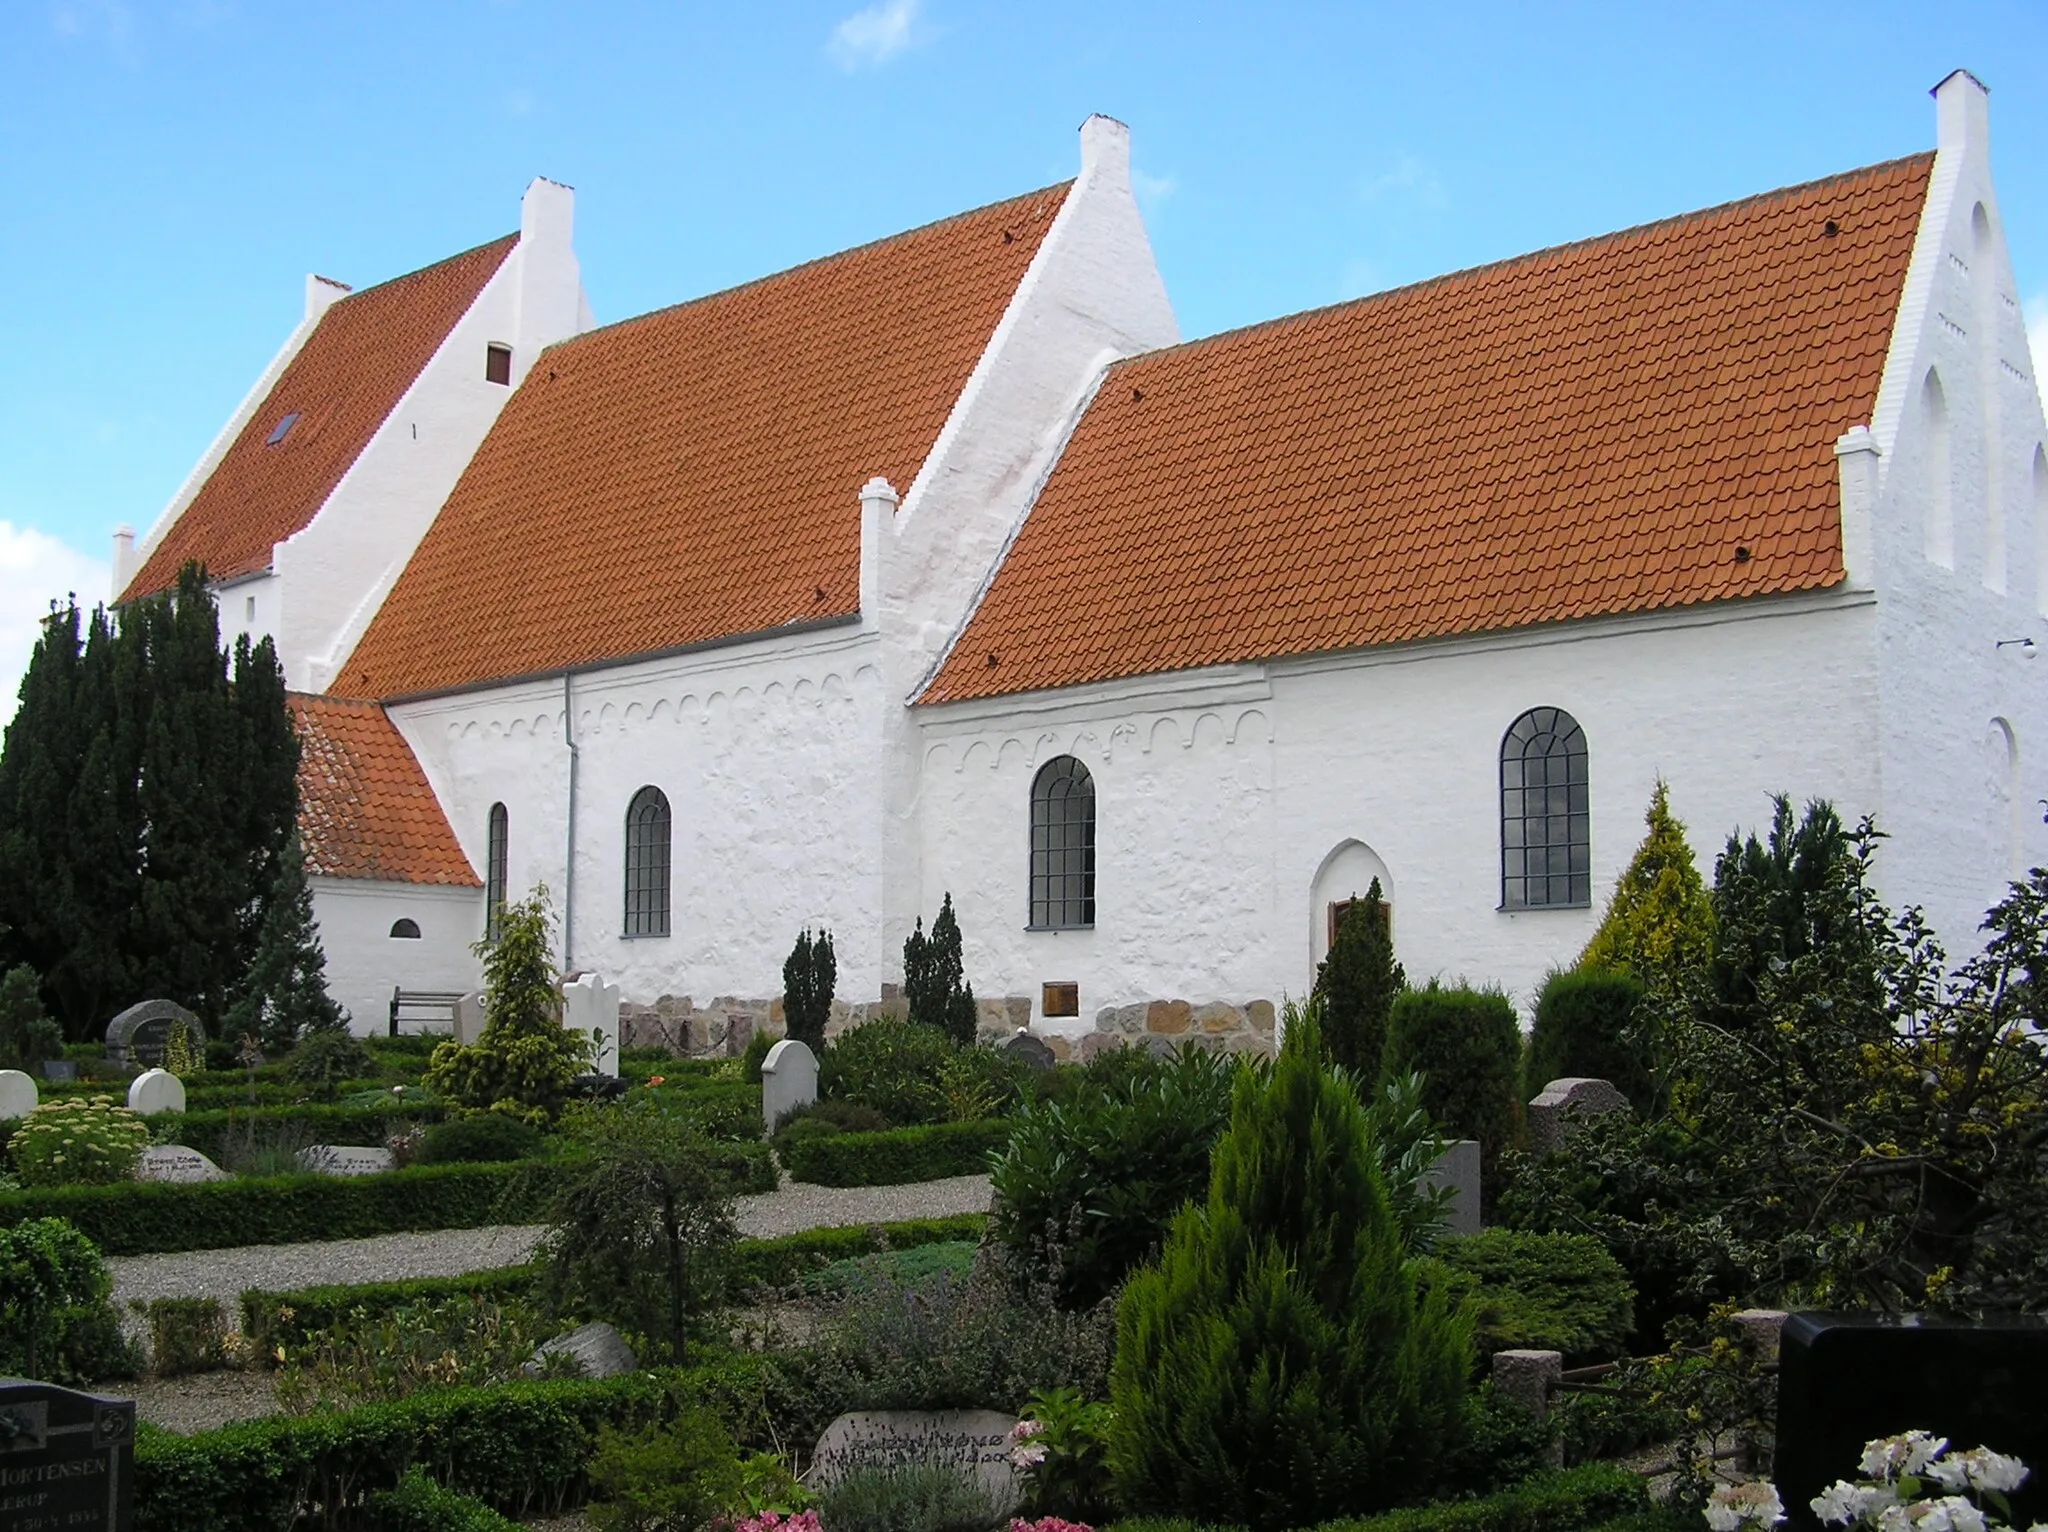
[940, 565]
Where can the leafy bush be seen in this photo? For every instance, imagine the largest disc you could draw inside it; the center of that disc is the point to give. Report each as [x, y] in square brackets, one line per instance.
[488, 1138]
[1467, 1047]
[903, 1495]
[896, 1155]
[1548, 1292]
[890, 1066]
[53, 1298]
[677, 1476]
[78, 1142]
[907, 1268]
[418, 1504]
[185, 1335]
[1088, 1184]
[754, 1055]
[823, 1118]
[27, 1035]
[807, 980]
[369, 1358]
[1357, 984]
[1277, 1367]
[935, 984]
[1586, 1027]
[1064, 1437]
[327, 1058]
[725, 1109]
[525, 1060]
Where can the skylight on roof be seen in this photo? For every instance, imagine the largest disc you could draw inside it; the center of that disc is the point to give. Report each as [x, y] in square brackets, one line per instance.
[278, 432]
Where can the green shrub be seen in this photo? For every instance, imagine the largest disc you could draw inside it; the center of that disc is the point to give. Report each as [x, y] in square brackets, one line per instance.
[725, 1109]
[907, 1268]
[1357, 984]
[897, 1155]
[78, 1142]
[935, 986]
[808, 977]
[754, 1055]
[27, 1035]
[487, 1138]
[1277, 1367]
[327, 1059]
[1567, 1500]
[821, 1119]
[243, 1138]
[1659, 925]
[524, 1061]
[1071, 1478]
[1087, 1185]
[895, 1495]
[1545, 1292]
[1585, 1028]
[58, 1325]
[185, 1335]
[888, 1065]
[677, 1476]
[1467, 1047]
[371, 1358]
[418, 1504]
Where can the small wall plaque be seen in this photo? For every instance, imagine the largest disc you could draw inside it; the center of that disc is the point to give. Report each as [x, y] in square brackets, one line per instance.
[1060, 1000]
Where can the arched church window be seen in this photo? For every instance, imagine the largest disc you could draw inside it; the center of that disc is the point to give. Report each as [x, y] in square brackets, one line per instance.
[647, 841]
[405, 929]
[1062, 846]
[494, 872]
[1546, 843]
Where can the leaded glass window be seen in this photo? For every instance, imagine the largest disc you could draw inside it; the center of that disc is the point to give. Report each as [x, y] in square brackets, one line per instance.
[1546, 843]
[494, 872]
[647, 837]
[1062, 846]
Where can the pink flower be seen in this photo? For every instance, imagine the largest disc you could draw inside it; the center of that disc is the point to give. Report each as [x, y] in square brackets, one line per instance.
[1048, 1524]
[659, 1080]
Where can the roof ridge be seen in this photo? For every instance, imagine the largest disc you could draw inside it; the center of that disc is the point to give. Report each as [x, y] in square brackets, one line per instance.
[446, 260]
[813, 263]
[1507, 262]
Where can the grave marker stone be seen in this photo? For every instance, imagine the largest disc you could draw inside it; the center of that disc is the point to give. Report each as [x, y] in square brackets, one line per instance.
[67, 1460]
[174, 1162]
[1458, 1168]
[138, 1034]
[1034, 1051]
[1844, 1379]
[591, 1006]
[469, 1018]
[60, 1071]
[154, 1091]
[977, 1441]
[1563, 1105]
[18, 1095]
[596, 1348]
[346, 1159]
[789, 1079]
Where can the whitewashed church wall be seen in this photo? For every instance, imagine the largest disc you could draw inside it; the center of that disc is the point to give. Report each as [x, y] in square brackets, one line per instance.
[768, 753]
[1222, 795]
[1958, 565]
[365, 962]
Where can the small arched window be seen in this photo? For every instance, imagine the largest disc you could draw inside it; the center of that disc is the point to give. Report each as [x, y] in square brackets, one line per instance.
[494, 872]
[405, 929]
[1062, 846]
[647, 835]
[1546, 843]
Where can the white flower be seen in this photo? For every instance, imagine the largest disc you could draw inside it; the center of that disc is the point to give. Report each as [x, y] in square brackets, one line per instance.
[1979, 1468]
[1889, 1456]
[1029, 1455]
[1843, 1502]
[1733, 1504]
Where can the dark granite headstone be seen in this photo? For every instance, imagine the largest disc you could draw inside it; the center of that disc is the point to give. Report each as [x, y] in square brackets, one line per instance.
[1034, 1051]
[137, 1036]
[1844, 1379]
[67, 1460]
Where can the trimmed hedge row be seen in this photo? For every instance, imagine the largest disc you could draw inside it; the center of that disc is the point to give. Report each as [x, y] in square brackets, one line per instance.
[1563, 1500]
[211, 1132]
[418, 1504]
[897, 1155]
[519, 1447]
[754, 1262]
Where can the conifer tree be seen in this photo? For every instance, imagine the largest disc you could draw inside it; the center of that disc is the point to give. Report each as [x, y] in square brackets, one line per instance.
[808, 977]
[1276, 1368]
[1659, 925]
[285, 995]
[934, 978]
[524, 1061]
[1357, 984]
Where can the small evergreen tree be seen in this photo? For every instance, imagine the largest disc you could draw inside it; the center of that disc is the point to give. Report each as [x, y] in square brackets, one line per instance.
[808, 976]
[27, 1036]
[934, 978]
[1587, 1026]
[1357, 984]
[1276, 1367]
[285, 994]
[1659, 924]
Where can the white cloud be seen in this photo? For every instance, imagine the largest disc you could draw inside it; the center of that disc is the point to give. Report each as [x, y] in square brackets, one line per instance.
[872, 37]
[2037, 332]
[36, 569]
[1408, 179]
[1151, 190]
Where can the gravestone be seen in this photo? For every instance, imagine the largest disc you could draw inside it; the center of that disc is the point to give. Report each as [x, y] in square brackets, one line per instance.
[789, 1079]
[174, 1162]
[591, 1006]
[1034, 1051]
[67, 1460]
[976, 1441]
[469, 1018]
[138, 1034]
[18, 1095]
[154, 1091]
[597, 1349]
[60, 1071]
[1563, 1104]
[1844, 1379]
[346, 1159]
[1458, 1168]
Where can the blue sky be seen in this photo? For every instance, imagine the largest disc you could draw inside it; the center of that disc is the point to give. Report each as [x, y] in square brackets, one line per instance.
[173, 168]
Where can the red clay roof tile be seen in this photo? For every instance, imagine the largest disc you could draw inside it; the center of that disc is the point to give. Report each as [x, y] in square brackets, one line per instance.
[349, 375]
[694, 473]
[365, 809]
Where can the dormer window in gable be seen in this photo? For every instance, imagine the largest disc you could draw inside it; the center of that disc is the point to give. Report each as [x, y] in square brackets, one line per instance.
[281, 430]
[498, 364]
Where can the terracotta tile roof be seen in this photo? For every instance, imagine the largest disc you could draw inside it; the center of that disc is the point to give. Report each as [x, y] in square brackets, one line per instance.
[365, 809]
[360, 359]
[1639, 421]
[694, 473]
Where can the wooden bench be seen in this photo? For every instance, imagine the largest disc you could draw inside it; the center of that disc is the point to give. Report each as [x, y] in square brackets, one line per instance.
[424, 1006]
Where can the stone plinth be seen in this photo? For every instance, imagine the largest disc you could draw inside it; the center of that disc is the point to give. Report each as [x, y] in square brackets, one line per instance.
[1562, 1105]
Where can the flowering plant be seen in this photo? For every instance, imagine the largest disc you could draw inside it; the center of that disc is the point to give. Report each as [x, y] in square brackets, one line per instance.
[1061, 1449]
[775, 1521]
[1048, 1524]
[1893, 1497]
[74, 1141]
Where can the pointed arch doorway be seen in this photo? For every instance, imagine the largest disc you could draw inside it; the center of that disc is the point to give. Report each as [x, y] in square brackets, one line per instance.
[1346, 873]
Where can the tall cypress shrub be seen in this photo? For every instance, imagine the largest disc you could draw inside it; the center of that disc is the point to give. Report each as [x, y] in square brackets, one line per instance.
[1276, 1367]
[1357, 984]
[935, 986]
[1467, 1046]
[1586, 1026]
[809, 975]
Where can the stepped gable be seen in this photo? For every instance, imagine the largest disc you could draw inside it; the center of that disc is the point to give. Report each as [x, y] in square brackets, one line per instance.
[362, 356]
[365, 809]
[693, 474]
[1641, 421]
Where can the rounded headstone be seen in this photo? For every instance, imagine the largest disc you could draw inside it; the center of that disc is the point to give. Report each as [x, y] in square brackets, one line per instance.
[1036, 1053]
[597, 1350]
[154, 1091]
[18, 1095]
[175, 1162]
[975, 1442]
[789, 1079]
[138, 1034]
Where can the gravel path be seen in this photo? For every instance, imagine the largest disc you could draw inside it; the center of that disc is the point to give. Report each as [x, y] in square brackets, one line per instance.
[223, 1274]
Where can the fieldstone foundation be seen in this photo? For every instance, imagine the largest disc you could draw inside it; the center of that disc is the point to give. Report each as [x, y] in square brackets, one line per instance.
[1217, 1026]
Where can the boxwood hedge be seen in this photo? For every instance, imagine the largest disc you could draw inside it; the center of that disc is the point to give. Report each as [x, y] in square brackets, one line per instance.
[897, 1155]
[1565, 1500]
